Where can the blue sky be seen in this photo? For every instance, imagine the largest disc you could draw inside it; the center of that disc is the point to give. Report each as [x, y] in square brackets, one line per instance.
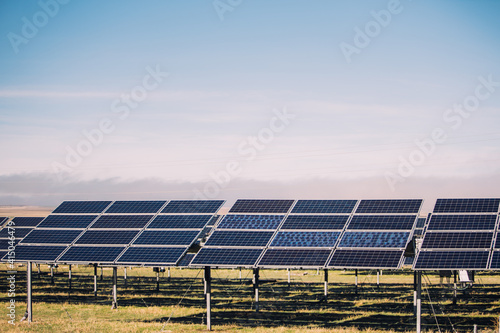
[352, 119]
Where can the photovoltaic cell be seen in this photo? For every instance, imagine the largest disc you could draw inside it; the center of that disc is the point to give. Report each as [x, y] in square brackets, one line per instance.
[108, 237]
[170, 237]
[376, 259]
[226, 257]
[186, 260]
[122, 221]
[193, 207]
[462, 222]
[179, 222]
[152, 255]
[324, 206]
[67, 221]
[497, 243]
[404, 206]
[421, 222]
[295, 257]
[381, 222]
[452, 260]
[467, 205]
[374, 239]
[239, 238]
[135, 207]
[16, 232]
[315, 222]
[26, 221]
[457, 240]
[261, 206]
[495, 260]
[305, 239]
[251, 222]
[37, 253]
[92, 254]
[38, 236]
[82, 207]
[5, 244]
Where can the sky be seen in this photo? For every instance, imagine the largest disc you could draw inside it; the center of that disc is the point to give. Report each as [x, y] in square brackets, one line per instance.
[227, 99]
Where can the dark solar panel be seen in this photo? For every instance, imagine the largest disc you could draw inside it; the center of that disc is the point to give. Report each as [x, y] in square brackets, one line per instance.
[135, 207]
[410, 206]
[67, 221]
[8, 232]
[108, 237]
[26, 221]
[82, 207]
[457, 240]
[193, 207]
[466, 206]
[462, 222]
[6, 243]
[421, 222]
[374, 239]
[186, 260]
[38, 236]
[497, 243]
[305, 239]
[495, 260]
[324, 206]
[317, 222]
[261, 206]
[380, 222]
[170, 237]
[92, 254]
[179, 222]
[226, 257]
[3, 220]
[152, 255]
[375, 259]
[418, 232]
[122, 221]
[239, 238]
[38, 253]
[452, 260]
[268, 222]
[295, 257]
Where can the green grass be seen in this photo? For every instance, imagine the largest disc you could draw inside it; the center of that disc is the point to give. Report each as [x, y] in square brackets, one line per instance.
[179, 306]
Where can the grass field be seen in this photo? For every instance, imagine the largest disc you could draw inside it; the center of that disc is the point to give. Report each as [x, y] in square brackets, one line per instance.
[179, 306]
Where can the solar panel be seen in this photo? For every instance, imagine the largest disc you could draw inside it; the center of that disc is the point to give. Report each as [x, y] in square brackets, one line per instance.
[315, 222]
[37, 253]
[40, 236]
[295, 257]
[179, 222]
[372, 239]
[381, 222]
[186, 260]
[421, 222]
[251, 222]
[261, 206]
[452, 260]
[8, 232]
[135, 207]
[67, 221]
[369, 259]
[82, 207]
[193, 207]
[152, 255]
[467, 205]
[305, 239]
[6, 243]
[239, 238]
[495, 260]
[26, 221]
[122, 221]
[398, 206]
[226, 257]
[170, 237]
[462, 222]
[324, 206]
[92, 254]
[457, 240]
[3, 220]
[497, 243]
[108, 237]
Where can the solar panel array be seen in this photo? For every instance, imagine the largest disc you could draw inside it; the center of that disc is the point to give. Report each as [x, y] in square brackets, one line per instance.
[460, 235]
[13, 231]
[377, 235]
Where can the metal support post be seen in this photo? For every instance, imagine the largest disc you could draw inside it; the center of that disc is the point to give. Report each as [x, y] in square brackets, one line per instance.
[256, 287]
[378, 279]
[454, 287]
[208, 291]
[29, 292]
[102, 273]
[158, 279]
[125, 276]
[69, 277]
[52, 274]
[419, 301]
[289, 276]
[115, 280]
[95, 280]
[356, 281]
[326, 285]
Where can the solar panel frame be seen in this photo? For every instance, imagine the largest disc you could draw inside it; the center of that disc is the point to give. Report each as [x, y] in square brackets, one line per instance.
[302, 239]
[366, 259]
[315, 222]
[227, 257]
[240, 238]
[21, 221]
[452, 260]
[374, 239]
[462, 222]
[193, 207]
[107, 237]
[166, 238]
[262, 206]
[91, 254]
[458, 240]
[149, 256]
[251, 221]
[19, 233]
[382, 222]
[186, 260]
[324, 206]
[51, 236]
[179, 221]
[136, 207]
[495, 260]
[389, 206]
[36, 254]
[68, 221]
[122, 221]
[467, 205]
[82, 207]
[294, 258]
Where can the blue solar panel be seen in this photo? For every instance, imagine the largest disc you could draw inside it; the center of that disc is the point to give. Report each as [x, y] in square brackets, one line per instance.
[305, 239]
[374, 239]
[452, 260]
[369, 259]
[421, 222]
[226, 257]
[324, 206]
[495, 260]
[37, 253]
[67, 221]
[170, 237]
[457, 240]
[92, 254]
[179, 222]
[8, 232]
[26, 221]
[186, 260]
[135, 207]
[193, 207]
[261, 206]
[5, 244]
[268, 222]
[152, 255]
[3, 220]
[315, 222]
[108, 237]
[295, 257]
[497, 243]
[82, 207]
[462, 222]
[466, 205]
[239, 238]
[122, 221]
[404, 206]
[38, 236]
[381, 222]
